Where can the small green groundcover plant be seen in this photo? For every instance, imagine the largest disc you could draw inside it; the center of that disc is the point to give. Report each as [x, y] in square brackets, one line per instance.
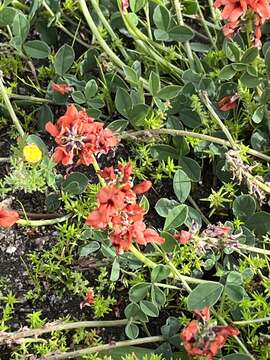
[145, 126]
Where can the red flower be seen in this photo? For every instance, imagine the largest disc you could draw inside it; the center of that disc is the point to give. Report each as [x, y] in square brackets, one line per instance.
[234, 10]
[183, 237]
[200, 338]
[119, 212]
[79, 137]
[143, 187]
[125, 5]
[227, 103]
[89, 299]
[8, 218]
[61, 88]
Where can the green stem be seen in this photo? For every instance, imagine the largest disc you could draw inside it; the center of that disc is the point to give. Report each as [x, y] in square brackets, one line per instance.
[9, 107]
[254, 249]
[97, 170]
[172, 132]
[109, 28]
[35, 223]
[48, 328]
[205, 26]
[97, 349]
[207, 103]
[63, 28]
[249, 322]
[32, 99]
[140, 256]
[99, 38]
[181, 22]
[194, 204]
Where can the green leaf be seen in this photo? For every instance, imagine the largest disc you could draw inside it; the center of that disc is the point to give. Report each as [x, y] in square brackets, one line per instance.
[162, 18]
[78, 97]
[163, 206]
[190, 167]
[267, 60]
[75, 183]
[131, 75]
[244, 206]
[169, 92]
[64, 59]
[144, 203]
[133, 311]
[259, 222]
[90, 248]
[227, 73]
[194, 217]
[37, 49]
[235, 293]
[45, 115]
[21, 27]
[176, 217]
[149, 308]
[157, 295]
[250, 81]
[132, 331]
[91, 89]
[250, 55]
[123, 102]
[52, 202]
[234, 278]
[118, 125]
[258, 115]
[180, 33]
[139, 291]
[163, 152]
[115, 272]
[203, 295]
[181, 185]
[159, 273]
[154, 83]
[171, 327]
[136, 5]
[170, 242]
[7, 16]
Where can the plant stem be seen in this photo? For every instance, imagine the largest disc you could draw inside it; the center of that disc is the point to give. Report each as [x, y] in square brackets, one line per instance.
[96, 33]
[205, 26]
[207, 103]
[9, 107]
[109, 28]
[194, 204]
[97, 170]
[97, 349]
[4, 159]
[63, 28]
[254, 249]
[32, 99]
[181, 22]
[51, 327]
[254, 321]
[35, 223]
[157, 132]
[140, 256]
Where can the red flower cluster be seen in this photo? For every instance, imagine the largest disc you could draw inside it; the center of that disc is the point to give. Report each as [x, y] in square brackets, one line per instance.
[89, 299]
[119, 212]
[228, 103]
[62, 89]
[79, 137]
[200, 338]
[8, 218]
[233, 10]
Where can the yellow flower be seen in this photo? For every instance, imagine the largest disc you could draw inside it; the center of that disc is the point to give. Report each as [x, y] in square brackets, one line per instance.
[32, 153]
